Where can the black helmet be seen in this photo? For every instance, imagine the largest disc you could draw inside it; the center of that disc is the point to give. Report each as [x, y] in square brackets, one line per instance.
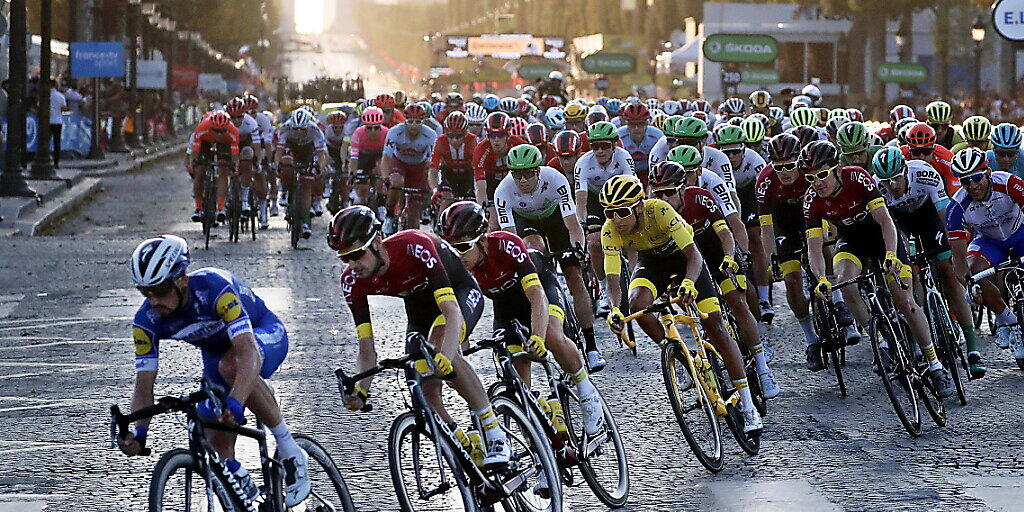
[805, 133]
[820, 154]
[667, 172]
[462, 220]
[784, 146]
[352, 227]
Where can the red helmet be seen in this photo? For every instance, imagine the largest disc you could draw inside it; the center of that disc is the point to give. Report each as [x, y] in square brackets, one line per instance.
[855, 115]
[522, 107]
[235, 106]
[251, 102]
[219, 120]
[497, 122]
[414, 111]
[537, 134]
[547, 101]
[920, 135]
[336, 117]
[456, 122]
[568, 143]
[900, 112]
[634, 112]
[384, 100]
[517, 127]
[372, 115]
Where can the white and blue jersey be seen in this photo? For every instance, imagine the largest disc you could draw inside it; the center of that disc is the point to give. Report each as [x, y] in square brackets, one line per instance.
[217, 308]
[1016, 169]
[997, 222]
[410, 151]
[640, 151]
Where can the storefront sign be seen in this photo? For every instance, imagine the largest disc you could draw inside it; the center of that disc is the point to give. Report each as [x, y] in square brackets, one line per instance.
[1008, 19]
[760, 76]
[609, 63]
[740, 48]
[97, 60]
[901, 73]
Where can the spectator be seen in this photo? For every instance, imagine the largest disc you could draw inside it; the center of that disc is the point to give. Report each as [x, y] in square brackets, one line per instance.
[58, 103]
[74, 97]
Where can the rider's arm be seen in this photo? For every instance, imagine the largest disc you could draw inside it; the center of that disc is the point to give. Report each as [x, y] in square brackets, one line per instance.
[434, 167]
[739, 231]
[959, 237]
[245, 355]
[768, 234]
[682, 235]
[142, 397]
[611, 246]
[567, 207]
[515, 249]
[880, 213]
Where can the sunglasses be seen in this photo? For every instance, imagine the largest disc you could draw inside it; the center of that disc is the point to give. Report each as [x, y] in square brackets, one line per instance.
[890, 181]
[939, 126]
[219, 130]
[733, 151]
[468, 245]
[373, 127]
[973, 178]
[785, 167]
[664, 192]
[818, 176]
[692, 170]
[238, 118]
[456, 135]
[1007, 153]
[352, 254]
[921, 151]
[159, 290]
[601, 146]
[497, 135]
[618, 213]
[524, 174]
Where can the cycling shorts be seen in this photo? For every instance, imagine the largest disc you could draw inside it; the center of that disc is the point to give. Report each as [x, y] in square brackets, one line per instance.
[710, 247]
[997, 251]
[512, 304]
[789, 240]
[460, 182]
[748, 206]
[928, 227]
[367, 161]
[415, 174]
[423, 314]
[656, 271]
[272, 340]
[869, 251]
[552, 229]
[595, 213]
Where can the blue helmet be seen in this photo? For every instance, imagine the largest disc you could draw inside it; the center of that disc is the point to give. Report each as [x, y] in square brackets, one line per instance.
[613, 106]
[1006, 135]
[437, 107]
[603, 101]
[491, 103]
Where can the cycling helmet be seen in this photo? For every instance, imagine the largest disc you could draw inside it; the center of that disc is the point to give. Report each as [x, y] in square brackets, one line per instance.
[812, 92]
[372, 115]
[1006, 136]
[517, 127]
[855, 115]
[784, 146]
[252, 103]
[613, 106]
[754, 130]
[729, 134]
[464, 220]
[400, 98]
[508, 105]
[733, 107]
[435, 96]
[490, 103]
[977, 128]
[900, 112]
[920, 135]
[835, 124]
[436, 108]
[672, 107]
[370, 102]
[352, 227]
[602, 130]
[876, 140]
[384, 100]
[852, 137]
[968, 161]
[497, 122]
[667, 173]
[456, 122]
[820, 154]
[803, 116]
[835, 113]
[235, 106]
[453, 97]
[158, 260]
[702, 105]
[220, 120]
[595, 116]
[901, 128]
[939, 112]
[415, 111]
[800, 101]
[777, 114]
[689, 127]
[658, 121]
[652, 104]
[575, 110]
[475, 114]
[555, 75]
[547, 101]
[806, 134]
[522, 107]
[687, 156]
[336, 117]
[524, 156]
[567, 143]
[888, 162]
[700, 114]
[537, 134]
[761, 118]
[621, 190]
[760, 99]
[634, 113]
[555, 117]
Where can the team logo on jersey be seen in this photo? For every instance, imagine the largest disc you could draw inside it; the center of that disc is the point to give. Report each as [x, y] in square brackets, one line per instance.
[229, 307]
[143, 343]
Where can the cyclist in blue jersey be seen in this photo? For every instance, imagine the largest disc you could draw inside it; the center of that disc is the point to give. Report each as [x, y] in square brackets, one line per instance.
[407, 152]
[638, 136]
[242, 343]
[1005, 154]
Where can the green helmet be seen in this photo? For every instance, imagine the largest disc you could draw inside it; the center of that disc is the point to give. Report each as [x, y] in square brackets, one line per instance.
[360, 107]
[803, 116]
[753, 129]
[602, 130]
[690, 127]
[524, 156]
[687, 156]
[729, 134]
[888, 162]
[852, 137]
[939, 112]
[977, 128]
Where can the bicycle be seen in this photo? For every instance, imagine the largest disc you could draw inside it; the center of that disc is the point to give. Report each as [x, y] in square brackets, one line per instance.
[339, 187]
[904, 380]
[238, 220]
[413, 432]
[298, 200]
[749, 366]
[209, 218]
[831, 335]
[1013, 278]
[201, 464]
[712, 398]
[571, 446]
[401, 220]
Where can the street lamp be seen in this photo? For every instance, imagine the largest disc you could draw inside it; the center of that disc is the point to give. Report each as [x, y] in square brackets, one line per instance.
[978, 35]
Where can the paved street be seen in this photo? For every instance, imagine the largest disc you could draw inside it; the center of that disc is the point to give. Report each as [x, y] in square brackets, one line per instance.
[66, 355]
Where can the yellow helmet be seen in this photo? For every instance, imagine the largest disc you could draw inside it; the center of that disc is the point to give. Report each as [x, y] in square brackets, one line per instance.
[621, 190]
[575, 111]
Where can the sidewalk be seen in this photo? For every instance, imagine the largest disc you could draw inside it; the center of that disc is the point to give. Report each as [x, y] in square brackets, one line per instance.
[80, 179]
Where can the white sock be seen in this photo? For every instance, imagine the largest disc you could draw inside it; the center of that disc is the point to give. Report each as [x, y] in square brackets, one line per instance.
[837, 296]
[583, 384]
[762, 293]
[489, 422]
[807, 325]
[744, 389]
[759, 361]
[1006, 317]
[286, 444]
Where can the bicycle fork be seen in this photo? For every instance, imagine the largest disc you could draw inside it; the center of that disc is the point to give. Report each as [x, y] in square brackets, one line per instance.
[705, 376]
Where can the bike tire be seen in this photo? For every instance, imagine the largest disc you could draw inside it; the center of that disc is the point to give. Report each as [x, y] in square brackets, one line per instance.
[614, 495]
[673, 367]
[171, 462]
[895, 380]
[294, 213]
[749, 442]
[836, 357]
[405, 427]
[946, 346]
[508, 411]
[234, 211]
[319, 455]
[756, 393]
[209, 209]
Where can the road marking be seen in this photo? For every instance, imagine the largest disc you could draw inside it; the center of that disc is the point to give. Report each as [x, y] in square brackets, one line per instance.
[64, 368]
[114, 302]
[999, 493]
[22, 506]
[40, 403]
[770, 496]
[9, 302]
[62, 322]
[33, 446]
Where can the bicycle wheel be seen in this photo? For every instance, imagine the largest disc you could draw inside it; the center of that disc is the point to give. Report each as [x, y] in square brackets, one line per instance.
[692, 407]
[209, 208]
[328, 488]
[606, 473]
[946, 345]
[756, 393]
[295, 215]
[749, 442]
[532, 458]
[895, 377]
[177, 486]
[837, 361]
[417, 475]
[624, 302]
[234, 210]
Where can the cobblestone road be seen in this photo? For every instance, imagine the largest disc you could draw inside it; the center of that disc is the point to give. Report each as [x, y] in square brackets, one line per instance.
[65, 356]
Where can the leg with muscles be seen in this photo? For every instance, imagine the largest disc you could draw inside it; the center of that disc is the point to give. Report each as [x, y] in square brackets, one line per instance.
[245, 172]
[919, 329]
[584, 313]
[641, 294]
[226, 168]
[733, 361]
[792, 277]
[751, 338]
[198, 177]
[259, 188]
[850, 309]
[569, 360]
[980, 256]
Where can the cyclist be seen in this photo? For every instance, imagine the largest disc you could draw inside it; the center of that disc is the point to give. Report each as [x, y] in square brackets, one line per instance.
[568, 148]
[406, 156]
[690, 131]
[755, 130]
[489, 165]
[976, 131]
[300, 146]
[250, 148]
[699, 208]
[451, 170]
[991, 206]
[214, 137]
[917, 200]
[265, 183]
[535, 202]
[848, 199]
[576, 116]
[475, 115]
[638, 137]
[855, 145]
[920, 145]
[337, 138]
[537, 135]
[453, 102]
[242, 343]
[386, 103]
[1005, 154]
[442, 303]
[939, 116]
[760, 102]
[665, 245]
[365, 151]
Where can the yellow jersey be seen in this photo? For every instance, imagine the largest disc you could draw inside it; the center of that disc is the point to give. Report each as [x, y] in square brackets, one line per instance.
[662, 230]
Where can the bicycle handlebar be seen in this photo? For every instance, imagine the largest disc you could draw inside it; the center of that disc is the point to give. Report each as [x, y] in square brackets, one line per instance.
[665, 305]
[119, 422]
[991, 271]
[347, 383]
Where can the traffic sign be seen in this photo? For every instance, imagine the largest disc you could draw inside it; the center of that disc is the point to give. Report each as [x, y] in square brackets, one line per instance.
[760, 76]
[901, 72]
[535, 70]
[1008, 19]
[740, 48]
[97, 60]
[609, 63]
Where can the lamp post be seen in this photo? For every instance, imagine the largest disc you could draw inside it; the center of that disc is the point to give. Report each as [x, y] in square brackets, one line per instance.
[133, 69]
[978, 35]
[12, 181]
[42, 167]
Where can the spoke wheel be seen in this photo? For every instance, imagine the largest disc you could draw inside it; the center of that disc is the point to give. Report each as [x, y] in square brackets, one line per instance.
[328, 488]
[420, 482]
[531, 452]
[749, 442]
[944, 335]
[606, 469]
[177, 486]
[893, 370]
[692, 407]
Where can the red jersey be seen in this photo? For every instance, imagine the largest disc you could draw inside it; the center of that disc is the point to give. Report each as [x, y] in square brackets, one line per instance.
[700, 209]
[490, 165]
[204, 134]
[941, 161]
[849, 209]
[775, 198]
[397, 117]
[507, 263]
[450, 158]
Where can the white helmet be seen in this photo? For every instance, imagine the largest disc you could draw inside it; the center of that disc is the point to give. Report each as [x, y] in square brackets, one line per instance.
[475, 113]
[555, 117]
[812, 91]
[301, 117]
[158, 260]
[671, 107]
[555, 75]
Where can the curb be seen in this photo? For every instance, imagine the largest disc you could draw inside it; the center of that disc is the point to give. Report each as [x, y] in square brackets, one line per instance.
[133, 164]
[44, 216]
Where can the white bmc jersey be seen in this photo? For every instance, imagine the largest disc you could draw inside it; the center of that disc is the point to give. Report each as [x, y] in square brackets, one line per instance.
[551, 195]
[590, 175]
[251, 128]
[751, 166]
[265, 121]
[716, 185]
[714, 160]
